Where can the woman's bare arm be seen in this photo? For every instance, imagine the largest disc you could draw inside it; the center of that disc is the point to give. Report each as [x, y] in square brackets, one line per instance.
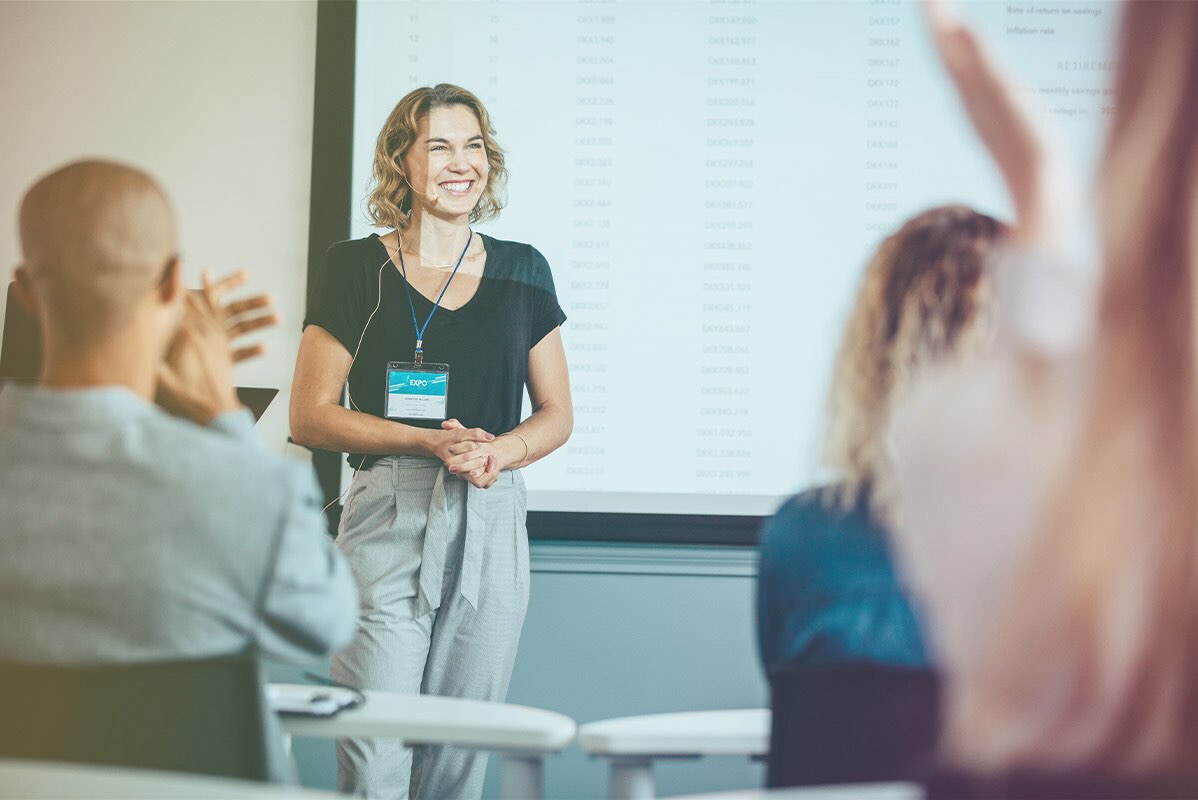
[545, 430]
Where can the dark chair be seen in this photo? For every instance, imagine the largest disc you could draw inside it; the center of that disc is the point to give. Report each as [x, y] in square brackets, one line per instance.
[1032, 785]
[852, 723]
[21, 345]
[202, 716]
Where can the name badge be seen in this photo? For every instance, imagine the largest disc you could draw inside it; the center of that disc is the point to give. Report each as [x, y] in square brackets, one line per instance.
[417, 392]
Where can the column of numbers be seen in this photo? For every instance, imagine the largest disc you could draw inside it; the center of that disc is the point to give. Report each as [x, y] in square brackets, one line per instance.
[883, 109]
[591, 267]
[723, 436]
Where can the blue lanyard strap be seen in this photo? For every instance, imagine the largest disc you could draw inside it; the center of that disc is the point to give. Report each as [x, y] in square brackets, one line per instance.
[420, 329]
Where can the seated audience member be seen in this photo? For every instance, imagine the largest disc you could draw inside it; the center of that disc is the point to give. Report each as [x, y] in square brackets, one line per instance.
[1048, 489]
[130, 534]
[827, 590]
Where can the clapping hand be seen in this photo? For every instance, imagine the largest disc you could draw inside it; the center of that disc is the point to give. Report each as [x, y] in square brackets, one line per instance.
[195, 379]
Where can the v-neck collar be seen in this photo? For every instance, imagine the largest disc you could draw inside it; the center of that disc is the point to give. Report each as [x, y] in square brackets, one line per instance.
[482, 284]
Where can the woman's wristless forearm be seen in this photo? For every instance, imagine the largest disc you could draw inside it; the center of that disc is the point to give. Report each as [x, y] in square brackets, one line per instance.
[347, 431]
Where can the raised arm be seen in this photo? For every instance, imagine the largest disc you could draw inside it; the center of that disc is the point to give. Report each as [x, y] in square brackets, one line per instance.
[1034, 167]
[977, 442]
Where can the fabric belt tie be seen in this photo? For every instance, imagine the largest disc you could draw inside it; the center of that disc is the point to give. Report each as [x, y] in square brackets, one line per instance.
[449, 494]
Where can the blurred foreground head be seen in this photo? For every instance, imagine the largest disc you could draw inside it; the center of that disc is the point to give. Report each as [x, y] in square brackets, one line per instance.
[923, 299]
[98, 247]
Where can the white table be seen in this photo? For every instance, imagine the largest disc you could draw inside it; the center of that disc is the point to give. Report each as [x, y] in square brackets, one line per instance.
[850, 791]
[42, 780]
[523, 736]
[632, 743]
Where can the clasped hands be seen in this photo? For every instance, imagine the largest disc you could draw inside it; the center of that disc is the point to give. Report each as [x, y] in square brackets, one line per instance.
[471, 453]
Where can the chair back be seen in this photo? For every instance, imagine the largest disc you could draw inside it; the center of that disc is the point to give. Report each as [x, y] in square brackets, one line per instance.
[852, 723]
[21, 344]
[202, 716]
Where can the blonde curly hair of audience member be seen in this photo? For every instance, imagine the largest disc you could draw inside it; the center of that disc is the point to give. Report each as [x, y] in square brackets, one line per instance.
[921, 301]
[390, 200]
[1112, 600]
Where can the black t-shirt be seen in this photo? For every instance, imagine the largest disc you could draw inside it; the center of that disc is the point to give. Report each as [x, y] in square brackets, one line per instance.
[485, 342]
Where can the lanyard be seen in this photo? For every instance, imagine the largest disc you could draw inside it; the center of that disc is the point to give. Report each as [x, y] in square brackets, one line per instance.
[420, 329]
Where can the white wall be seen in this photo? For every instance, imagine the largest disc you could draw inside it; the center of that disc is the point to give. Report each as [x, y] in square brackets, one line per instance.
[214, 98]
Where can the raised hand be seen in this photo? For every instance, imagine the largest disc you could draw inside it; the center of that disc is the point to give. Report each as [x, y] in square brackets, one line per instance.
[1036, 171]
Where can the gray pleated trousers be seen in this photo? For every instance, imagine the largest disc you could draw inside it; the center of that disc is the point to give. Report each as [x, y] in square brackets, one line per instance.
[442, 570]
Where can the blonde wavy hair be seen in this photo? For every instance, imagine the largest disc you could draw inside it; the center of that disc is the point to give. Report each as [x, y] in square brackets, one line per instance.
[389, 202]
[920, 301]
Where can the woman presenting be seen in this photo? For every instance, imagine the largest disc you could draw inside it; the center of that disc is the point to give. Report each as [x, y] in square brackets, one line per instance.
[437, 329]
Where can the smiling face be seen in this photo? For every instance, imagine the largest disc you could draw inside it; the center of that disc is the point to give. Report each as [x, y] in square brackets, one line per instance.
[447, 164]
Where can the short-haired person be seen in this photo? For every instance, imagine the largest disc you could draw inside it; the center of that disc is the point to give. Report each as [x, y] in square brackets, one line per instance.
[434, 521]
[130, 534]
[827, 588]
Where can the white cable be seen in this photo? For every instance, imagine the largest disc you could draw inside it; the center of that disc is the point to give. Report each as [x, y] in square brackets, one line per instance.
[365, 327]
[352, 359]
